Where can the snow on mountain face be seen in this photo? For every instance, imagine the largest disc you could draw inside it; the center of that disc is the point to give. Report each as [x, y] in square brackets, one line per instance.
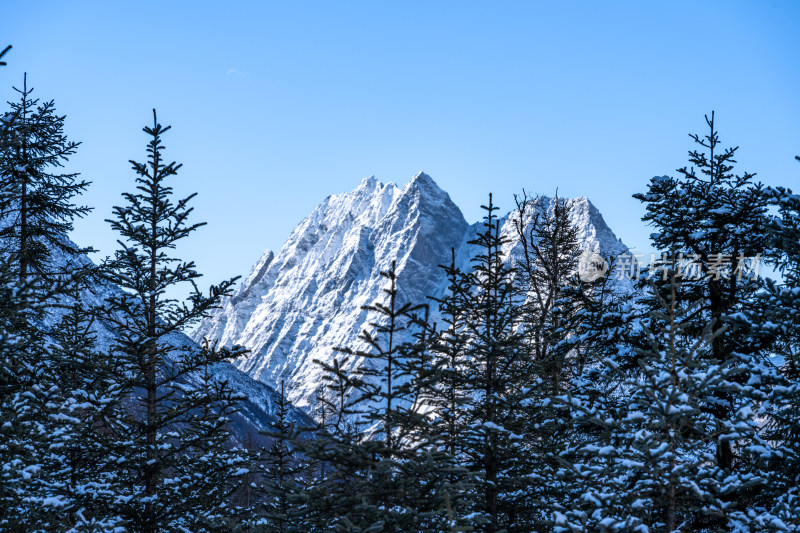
[299, 305]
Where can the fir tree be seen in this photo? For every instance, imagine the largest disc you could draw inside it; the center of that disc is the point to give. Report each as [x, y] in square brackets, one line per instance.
[668, 436]
[653, 468]
[549, 261]
[595, 337]
[85, 402]
[713, 223]
[52, 463]
[333, 493]
[282, 471]
[779, 318]
[429, 476]
[172, 447]
[53, 392]
[26, 455]
[37, 202]
[381, 394]
[448, 345]
[448, 399]
[563, 318]
[497, 373]
[718, 221]
[379, 450]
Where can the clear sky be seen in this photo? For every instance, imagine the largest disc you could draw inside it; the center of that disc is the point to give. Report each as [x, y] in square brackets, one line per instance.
[275, 105]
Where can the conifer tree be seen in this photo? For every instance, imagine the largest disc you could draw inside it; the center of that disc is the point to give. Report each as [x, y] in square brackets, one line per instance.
[333, 492]
[37, 201]
[497, 373]
[44, 413]
[26, 457]
[559, 315]
[595, 338]
[429, 476]
[381, 393]
[718, 221]
[447, 399]
[13, 372]
[391, 478]
[716, 224]
[282, 472]
[172, 445]
[548, 265]
[448, 344]
[85, 403]
[52, 390]
[779, 318]
[669, 437]
[653, 468]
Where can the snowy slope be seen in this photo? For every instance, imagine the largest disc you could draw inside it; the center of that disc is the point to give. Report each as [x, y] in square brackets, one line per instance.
[299, 305]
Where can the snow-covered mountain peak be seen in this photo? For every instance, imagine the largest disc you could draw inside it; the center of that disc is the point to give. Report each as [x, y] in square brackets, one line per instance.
[429, 192]
[299, 305]
[422, 181]
[306, 300]
[369, 181]
[593, 230]
[368, 185]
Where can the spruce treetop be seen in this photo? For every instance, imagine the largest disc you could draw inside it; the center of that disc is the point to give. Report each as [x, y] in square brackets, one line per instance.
[37, 200]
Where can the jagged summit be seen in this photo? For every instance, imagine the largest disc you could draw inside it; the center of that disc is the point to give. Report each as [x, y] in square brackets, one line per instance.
[369, 183]
[300, 304]
[420, 179]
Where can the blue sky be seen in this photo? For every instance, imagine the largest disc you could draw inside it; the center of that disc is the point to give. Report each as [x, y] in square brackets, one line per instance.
[275, 105]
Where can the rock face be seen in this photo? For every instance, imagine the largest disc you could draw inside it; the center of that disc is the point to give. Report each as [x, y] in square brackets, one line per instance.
[299, 305]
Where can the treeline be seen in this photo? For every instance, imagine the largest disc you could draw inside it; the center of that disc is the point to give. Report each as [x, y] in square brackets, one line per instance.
[535, 401]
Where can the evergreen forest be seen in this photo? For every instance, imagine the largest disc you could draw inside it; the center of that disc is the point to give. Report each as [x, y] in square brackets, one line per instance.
[540, 401]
